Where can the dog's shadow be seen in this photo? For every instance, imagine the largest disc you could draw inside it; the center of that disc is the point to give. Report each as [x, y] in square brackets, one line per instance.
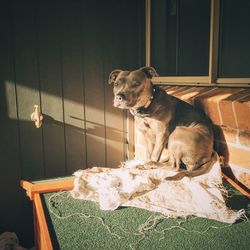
[236, 201]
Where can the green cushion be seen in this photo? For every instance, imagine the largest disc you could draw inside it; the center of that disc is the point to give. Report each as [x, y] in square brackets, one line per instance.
[77, 224]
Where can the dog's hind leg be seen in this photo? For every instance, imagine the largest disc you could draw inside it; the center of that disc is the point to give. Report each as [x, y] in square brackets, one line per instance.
[199, 171]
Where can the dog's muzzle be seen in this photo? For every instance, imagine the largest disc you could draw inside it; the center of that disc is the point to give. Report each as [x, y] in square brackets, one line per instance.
[120, 100]
[120, 97]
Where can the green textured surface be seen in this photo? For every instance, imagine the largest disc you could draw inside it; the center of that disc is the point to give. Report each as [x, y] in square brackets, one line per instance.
[120, 229]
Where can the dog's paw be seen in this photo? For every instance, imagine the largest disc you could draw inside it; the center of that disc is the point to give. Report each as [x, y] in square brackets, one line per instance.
[148, 165]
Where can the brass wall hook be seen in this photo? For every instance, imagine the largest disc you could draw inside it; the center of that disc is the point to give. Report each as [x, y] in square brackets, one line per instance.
[37, 117]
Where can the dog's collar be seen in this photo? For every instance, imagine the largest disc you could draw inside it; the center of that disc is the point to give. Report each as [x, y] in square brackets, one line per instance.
[145, 110]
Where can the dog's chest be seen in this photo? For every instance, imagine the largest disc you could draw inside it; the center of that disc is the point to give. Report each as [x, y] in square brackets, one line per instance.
[147, 123]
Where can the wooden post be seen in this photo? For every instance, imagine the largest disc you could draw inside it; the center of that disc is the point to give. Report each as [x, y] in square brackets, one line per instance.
[214, 40]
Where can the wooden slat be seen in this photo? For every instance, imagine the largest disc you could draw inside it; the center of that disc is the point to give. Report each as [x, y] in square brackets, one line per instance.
[202, 81]
[93, 80]
[235, 185]
[50, 68]
[31, 188]
[114, 118]
[181, 79]
[73, 88]
[234, 81]
[27, 86]
[42, 237]
[11, 206]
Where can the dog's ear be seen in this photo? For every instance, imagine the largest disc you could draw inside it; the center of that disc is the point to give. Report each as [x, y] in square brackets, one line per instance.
[149, 71]
[113, 75]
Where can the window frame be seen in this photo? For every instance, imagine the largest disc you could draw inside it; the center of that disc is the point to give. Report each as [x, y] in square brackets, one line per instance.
[212, 78]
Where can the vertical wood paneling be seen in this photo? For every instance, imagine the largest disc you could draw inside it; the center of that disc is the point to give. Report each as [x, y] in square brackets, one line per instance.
[73, 88]
[13, 209]
[93, 79]
[50, 68]
[59, 54]
[134, 55]
[113, 58]
[27, 86]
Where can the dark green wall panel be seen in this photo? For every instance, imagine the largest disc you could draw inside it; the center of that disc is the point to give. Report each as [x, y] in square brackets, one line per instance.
[73, 85]
[93, 81]
[15, 210]
[50, 69]
[58, 54]
[27, 87]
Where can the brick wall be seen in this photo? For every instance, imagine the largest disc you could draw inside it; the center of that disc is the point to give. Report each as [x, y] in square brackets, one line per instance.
[229, 109]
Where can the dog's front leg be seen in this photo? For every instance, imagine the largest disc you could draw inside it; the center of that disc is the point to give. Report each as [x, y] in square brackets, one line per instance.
[149, 146]
[160, 142]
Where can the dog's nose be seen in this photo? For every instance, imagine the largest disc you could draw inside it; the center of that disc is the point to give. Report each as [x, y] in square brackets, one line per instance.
[120, 97]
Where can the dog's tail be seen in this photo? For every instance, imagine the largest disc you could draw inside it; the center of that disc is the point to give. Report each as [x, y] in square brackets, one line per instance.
[206, 167]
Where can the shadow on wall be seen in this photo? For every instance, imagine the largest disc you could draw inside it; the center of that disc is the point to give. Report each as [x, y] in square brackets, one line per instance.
[59, 54]
[23, 155]
[221, 146]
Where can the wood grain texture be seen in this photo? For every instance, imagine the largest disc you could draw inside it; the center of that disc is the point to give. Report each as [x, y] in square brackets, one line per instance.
[15, 211]
[73, 88]
[50, 68]
[27, 87]
[58, 54]
[93, 82]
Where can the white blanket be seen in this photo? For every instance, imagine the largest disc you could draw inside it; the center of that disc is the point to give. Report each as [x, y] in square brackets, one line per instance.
[148, 189]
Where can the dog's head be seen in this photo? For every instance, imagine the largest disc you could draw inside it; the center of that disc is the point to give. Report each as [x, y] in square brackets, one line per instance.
[132, 89]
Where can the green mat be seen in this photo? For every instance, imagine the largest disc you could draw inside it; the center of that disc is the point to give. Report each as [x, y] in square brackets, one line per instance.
[76, 224]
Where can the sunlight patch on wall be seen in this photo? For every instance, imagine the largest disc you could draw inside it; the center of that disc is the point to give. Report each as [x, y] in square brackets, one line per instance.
[21, 99]
[10, 97]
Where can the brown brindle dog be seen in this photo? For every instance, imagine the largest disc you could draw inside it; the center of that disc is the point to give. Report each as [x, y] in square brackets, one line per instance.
[165, 120]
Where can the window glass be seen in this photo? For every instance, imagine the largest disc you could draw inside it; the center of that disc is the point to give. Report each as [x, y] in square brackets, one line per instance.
[180, 37]
[234, 48]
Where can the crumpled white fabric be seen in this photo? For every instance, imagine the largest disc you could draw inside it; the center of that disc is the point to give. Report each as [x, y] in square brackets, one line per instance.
[148, 189]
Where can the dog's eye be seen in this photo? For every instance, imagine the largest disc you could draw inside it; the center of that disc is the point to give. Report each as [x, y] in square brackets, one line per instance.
[135, 84]
[116, 84]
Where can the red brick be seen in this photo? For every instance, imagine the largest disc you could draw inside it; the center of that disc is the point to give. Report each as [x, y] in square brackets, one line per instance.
[217, 96]
[198, 91]
[226, 108]
[184, 91]
[167, 88]
[238, 94]
[242, 112]
[227, 114]
[202, 102]
[172, 89]
[210, 108]
[244, 137]
[239, 156]
[188, 95]
[177, 90]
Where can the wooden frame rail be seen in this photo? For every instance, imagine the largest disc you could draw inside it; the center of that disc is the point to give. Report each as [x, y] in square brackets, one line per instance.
[33, 190]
